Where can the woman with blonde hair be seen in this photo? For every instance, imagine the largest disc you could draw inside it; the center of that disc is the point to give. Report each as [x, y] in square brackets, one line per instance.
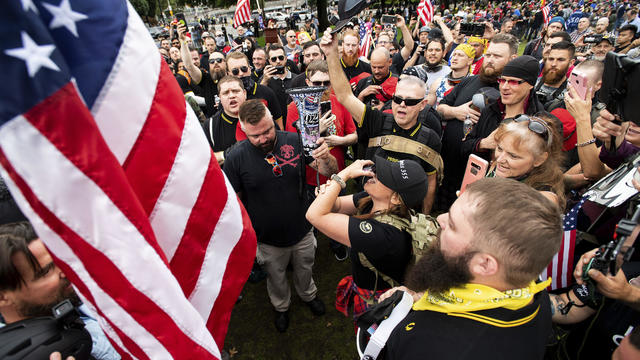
[529, 149]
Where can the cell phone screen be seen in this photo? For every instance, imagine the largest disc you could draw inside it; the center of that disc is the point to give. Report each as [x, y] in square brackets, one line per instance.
[325, 106]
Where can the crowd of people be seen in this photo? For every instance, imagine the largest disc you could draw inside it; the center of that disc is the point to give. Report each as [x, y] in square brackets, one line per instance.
[408, 109]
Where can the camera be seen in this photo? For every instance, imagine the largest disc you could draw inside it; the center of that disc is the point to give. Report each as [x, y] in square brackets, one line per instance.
[592, 39]
[472, 29]
[621, 78]
[388, 19]
[279, 69]
[36, 338]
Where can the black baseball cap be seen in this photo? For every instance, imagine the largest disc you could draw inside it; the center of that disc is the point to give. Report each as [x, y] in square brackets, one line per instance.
[348, 9]
[406, 177]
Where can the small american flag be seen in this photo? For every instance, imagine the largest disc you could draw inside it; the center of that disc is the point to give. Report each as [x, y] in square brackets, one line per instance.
[110, 165]
[425, 11]
[545, 13]
[365, 38]
[561, 267]
[242, 14]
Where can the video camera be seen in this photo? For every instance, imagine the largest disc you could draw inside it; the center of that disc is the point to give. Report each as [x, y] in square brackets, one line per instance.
[472, 29]
[37, 338]
[609, 258]
[593, 38]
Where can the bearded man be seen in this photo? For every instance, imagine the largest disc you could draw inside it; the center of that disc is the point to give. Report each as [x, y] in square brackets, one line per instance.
[350, 59]
[478, 293]
[551, 86]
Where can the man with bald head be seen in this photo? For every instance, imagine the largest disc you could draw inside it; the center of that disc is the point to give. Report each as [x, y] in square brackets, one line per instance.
[376, 90]
[291, 48]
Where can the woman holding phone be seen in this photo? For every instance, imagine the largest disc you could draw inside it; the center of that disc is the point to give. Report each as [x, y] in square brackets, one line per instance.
[361, 222]
[528, 149]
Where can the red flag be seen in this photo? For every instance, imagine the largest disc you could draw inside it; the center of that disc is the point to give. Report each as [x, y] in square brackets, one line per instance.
[242, 14]
[112, 168]
[425, 11]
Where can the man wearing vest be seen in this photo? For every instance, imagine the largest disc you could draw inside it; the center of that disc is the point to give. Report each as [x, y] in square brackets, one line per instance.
[393, 137]
[478, 295]
[550, 87]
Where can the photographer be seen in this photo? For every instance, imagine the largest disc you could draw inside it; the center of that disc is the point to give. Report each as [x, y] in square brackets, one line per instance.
[613, 308]
[278, 76]
[31, 284]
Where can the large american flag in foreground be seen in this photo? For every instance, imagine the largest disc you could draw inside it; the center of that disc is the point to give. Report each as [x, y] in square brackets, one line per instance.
[365, 37]
[425, 11]
[545, 14]
[102, 154]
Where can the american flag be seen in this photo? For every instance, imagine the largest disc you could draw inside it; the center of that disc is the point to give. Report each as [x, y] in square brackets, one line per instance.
[545, 13]
[102, 154]
[561, 267]
[425, 11]
[365, 38]
[242, 14]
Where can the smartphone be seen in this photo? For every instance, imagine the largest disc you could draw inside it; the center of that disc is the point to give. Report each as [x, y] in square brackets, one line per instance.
[476, 170]
[180, 18]
[325, 107]
[388, 19]
[279, 69]
[478, 102]
[579, 82]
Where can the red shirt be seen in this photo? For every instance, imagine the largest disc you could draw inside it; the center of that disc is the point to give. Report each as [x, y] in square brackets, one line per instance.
[344, 126]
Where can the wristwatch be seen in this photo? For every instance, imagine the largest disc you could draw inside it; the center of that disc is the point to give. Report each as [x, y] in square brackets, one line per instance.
[339, 180]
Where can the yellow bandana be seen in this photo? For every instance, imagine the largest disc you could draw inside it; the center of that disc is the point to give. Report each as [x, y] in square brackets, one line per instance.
[467, 49]
[477, 39]
[475, 297]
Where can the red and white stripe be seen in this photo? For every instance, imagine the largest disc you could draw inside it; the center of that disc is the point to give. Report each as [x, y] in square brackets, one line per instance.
[425, 11]
[133, 206]
[242, 13]
[366, 42]
[561, 267]
[545, 13]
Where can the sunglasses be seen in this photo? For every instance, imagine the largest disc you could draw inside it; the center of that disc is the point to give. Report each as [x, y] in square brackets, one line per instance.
[275, 168]
[321, 83]
[237, 71]
[276, 58]
[501, 81]
[536, 125]
[218, 60]
[408, 102]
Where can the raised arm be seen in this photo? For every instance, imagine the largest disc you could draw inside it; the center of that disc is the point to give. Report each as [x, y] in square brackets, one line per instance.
[406, 37]
[194, 72]
[339, 82]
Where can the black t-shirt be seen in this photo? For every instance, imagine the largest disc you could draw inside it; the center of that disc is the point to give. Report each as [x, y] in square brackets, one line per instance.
[358, 68]
[276, 208]
[454, 162]
[373, 126]
[279, 87]
[210, 93]
[386, 247]
[220, 131]
[268, 97]
[397, 63]
[487, 334]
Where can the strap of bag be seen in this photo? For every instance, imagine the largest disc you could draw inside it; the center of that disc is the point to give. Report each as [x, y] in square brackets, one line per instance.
[379, 338]
[412, 147]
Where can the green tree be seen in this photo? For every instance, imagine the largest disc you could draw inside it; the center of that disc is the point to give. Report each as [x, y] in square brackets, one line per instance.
[141, 6]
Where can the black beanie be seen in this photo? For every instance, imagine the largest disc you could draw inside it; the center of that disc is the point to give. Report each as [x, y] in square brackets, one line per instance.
[523, 67]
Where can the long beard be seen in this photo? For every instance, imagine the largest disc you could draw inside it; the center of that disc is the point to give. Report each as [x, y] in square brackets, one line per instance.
[489, 75]
[553, 77]
[349, 60]
[28, 310]
[436, 272]
[217, 74]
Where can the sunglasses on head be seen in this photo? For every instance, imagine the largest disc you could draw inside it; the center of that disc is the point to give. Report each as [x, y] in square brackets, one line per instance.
[276, 58]
[275, 168]
[408, 102]
[218, 60]
[237, 71]
[536, 125]
[321, 83]
[501, 81]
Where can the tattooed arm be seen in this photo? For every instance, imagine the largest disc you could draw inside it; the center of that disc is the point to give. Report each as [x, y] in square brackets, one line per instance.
[563, 313]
